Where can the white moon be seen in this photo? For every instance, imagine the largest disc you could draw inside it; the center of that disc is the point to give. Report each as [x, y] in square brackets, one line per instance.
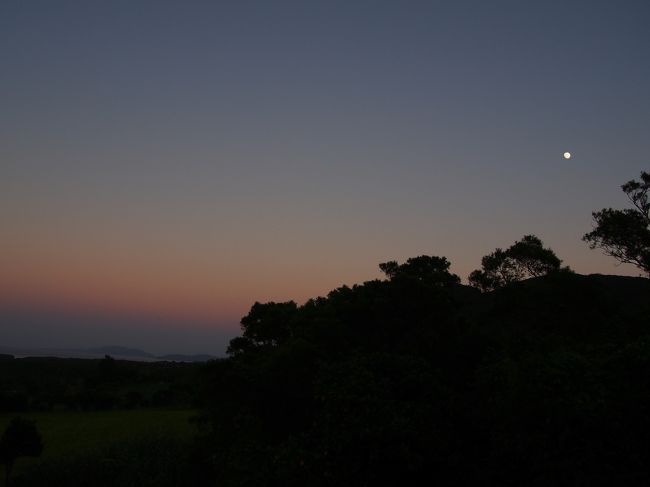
[567, 155]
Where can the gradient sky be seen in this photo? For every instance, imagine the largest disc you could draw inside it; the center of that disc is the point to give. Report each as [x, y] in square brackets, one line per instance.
[164, 164]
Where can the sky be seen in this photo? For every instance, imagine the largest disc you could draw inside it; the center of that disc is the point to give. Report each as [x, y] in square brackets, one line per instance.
[165, 164]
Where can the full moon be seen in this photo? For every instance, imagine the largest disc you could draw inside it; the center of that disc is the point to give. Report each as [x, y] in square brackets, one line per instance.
[567, 155]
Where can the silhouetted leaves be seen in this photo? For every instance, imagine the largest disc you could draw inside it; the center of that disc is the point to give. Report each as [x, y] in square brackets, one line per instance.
[266, 325]
[424, 268]
[420, 379]
[524, 259]
[625, 234]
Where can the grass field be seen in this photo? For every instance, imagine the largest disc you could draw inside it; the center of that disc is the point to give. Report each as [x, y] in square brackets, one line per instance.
[67, 434]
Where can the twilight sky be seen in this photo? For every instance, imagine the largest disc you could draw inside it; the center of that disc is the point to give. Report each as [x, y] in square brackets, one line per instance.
[164, 164]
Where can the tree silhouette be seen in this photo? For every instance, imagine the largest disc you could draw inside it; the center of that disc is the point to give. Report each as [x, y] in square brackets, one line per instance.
[524, 259]
[625, 234]
[20, 439]
[423, 268]
[266, 325]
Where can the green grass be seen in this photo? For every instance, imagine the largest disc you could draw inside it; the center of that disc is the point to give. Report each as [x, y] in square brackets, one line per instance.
[66, 434]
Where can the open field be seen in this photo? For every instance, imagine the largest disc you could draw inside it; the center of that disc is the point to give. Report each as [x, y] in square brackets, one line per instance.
[66, 434]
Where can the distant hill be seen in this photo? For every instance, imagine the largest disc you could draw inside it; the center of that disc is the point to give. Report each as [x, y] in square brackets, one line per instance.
[115, 351]
[118, 351]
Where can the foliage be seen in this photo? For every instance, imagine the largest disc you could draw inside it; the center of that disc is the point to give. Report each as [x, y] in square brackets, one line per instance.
[267, 324]
[418, 379]
[425, 267]
[524, 259]
[625, 234]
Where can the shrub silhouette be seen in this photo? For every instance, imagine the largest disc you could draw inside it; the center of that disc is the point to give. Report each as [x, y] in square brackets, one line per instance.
[20, 439]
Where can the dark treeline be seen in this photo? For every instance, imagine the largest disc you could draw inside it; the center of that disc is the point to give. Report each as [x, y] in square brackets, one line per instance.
[45, 383]
[542, 382]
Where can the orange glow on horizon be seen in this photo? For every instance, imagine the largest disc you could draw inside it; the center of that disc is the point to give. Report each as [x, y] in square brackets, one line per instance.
[99, 281]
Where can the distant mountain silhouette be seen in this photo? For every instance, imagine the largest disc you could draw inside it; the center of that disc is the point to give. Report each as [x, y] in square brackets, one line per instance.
[115, 351]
